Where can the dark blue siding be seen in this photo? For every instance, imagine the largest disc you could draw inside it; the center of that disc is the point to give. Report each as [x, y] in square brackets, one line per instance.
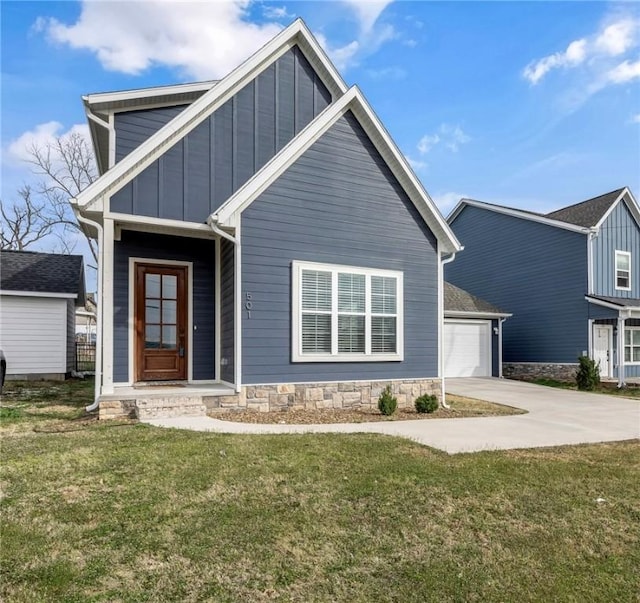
[215, 159]
[134, 127]
[535, 271]
[339, 204]
[227, 311]
[619, 232]
[199, 251]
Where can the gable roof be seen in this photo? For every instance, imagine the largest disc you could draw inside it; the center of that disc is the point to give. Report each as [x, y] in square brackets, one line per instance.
[583, 217]
[355, 102]
[35, 272]
[587, 213]
[460, 302]
[135, 162]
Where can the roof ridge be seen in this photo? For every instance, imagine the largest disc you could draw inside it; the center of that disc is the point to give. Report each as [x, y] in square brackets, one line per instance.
[617, 192]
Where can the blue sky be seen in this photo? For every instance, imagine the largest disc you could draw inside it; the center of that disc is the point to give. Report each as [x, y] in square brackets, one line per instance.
[530, 104]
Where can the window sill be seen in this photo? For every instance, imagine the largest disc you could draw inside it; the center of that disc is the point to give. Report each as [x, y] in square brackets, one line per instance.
[347, 358]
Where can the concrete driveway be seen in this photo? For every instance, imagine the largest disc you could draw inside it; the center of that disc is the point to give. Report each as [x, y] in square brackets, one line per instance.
[556, 417]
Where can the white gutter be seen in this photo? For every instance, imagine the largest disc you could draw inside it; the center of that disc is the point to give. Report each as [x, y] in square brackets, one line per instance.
[441, 319]
[212, 221]
[98, 371]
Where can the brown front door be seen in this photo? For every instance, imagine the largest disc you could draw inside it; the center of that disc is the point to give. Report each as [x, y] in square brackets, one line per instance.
[161, 322]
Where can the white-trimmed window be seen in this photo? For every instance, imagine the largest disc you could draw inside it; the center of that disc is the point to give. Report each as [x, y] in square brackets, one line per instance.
[623, 270]
[346, 314]
[632, 345]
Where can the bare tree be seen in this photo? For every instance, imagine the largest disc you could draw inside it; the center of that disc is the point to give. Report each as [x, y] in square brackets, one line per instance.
[65, 167]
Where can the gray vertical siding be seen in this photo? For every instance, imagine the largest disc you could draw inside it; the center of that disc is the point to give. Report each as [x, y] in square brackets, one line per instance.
[535, 271]
[227, 340]
[199, 251]
[619, 231]
[339, 204]
[134, 127]
[202, 170]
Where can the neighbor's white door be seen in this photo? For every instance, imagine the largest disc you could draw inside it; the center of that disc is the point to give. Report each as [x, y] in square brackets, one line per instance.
[602, 341]
[467, 348]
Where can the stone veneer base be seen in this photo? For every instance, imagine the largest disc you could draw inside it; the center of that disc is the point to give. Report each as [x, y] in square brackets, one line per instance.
[274, 397]
[536, 370]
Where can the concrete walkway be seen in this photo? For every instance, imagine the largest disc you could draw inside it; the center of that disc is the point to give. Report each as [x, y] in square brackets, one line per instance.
[555, 417]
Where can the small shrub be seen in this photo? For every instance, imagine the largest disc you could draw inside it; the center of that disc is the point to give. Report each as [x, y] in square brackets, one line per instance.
[588, 375]
[426, 403]
[387, 403]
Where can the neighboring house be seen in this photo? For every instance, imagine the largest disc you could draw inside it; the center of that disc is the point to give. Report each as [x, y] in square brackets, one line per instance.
[86, 317]
[265, 243]
[39, 293]
[570, 277]
[472, 344]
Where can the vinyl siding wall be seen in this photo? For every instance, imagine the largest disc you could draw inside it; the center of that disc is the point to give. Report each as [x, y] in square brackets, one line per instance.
[71, 335]
[338, 204]
[227, 334]
[33, 334]
[161, 247]
[619, 232]
[210, 163]
[535, 271]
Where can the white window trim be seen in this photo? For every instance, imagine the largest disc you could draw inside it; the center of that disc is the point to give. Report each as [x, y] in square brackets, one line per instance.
[624, 347]
[628, 255]
[296, 304]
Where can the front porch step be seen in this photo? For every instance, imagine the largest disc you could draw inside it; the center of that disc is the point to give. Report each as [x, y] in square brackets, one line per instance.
[159, 407]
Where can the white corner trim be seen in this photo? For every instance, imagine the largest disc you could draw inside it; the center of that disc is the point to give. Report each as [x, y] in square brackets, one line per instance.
[516, 213]
[136, 161]
[352, 100]
[335, 356]
[131, 325]
[38, 294]
[107, 301]
[238, 315]
[217, 308]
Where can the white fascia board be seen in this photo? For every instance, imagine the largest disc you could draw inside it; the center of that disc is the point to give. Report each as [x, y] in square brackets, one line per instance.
[352, 100]
[39, 294]
[460, 314]
[150, 93]
[131, 220]
[140, 158]
[516, 213]
[606, 304]
[632, 205]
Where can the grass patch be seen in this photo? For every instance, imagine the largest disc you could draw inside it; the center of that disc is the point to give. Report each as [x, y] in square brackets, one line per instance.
[611, 389]
[137, 513]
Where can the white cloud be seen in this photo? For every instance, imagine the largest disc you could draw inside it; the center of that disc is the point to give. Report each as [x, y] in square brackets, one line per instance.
[447, 201]
[624, 72]
[202, 39]
[417, 164]
[450, 136]
[367, 12]
[636, 118]
[276, 13]
[593, 52]
[387, 73]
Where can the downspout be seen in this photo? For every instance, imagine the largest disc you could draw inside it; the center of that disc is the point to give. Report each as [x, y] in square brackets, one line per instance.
[98, 372]
[443, 262]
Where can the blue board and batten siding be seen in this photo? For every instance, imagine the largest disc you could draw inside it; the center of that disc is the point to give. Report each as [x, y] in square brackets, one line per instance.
[159, 247]
[535, 271]
[193, 178]
[338, 204]
[619, 232]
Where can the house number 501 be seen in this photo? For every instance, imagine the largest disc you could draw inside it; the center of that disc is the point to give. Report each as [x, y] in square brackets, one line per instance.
[248, 304]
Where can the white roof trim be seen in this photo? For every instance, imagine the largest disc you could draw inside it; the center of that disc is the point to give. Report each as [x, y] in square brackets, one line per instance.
[516, 214]
[354, 101]
[478, 314]
[632, 206]
[606, 304]
[38, 294]
[135, 94]
[140, 158]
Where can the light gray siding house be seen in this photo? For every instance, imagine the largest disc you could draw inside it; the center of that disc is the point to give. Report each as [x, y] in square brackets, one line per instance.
[39, 294]
[570, 277]
[265, 244]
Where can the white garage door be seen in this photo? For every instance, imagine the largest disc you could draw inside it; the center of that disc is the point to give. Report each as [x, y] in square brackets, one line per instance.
[467, 348]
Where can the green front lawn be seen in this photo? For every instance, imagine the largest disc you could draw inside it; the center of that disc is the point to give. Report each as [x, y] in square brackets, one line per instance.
[124, 512]
[609, 388]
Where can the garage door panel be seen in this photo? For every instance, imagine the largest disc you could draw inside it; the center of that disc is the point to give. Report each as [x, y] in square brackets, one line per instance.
[467, 349]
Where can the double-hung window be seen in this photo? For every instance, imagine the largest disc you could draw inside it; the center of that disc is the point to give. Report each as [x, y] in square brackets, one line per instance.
[632, 345]
[344, 313]
[623, 270]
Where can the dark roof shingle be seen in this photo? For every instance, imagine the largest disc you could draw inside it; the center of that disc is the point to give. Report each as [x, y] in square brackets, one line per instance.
[42, 273]
[586, 213]
[459, 300]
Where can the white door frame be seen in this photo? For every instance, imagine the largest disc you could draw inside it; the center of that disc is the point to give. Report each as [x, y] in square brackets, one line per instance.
[609, 328]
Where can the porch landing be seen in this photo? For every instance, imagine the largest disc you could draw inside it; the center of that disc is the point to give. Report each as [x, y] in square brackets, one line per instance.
[161, 401]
